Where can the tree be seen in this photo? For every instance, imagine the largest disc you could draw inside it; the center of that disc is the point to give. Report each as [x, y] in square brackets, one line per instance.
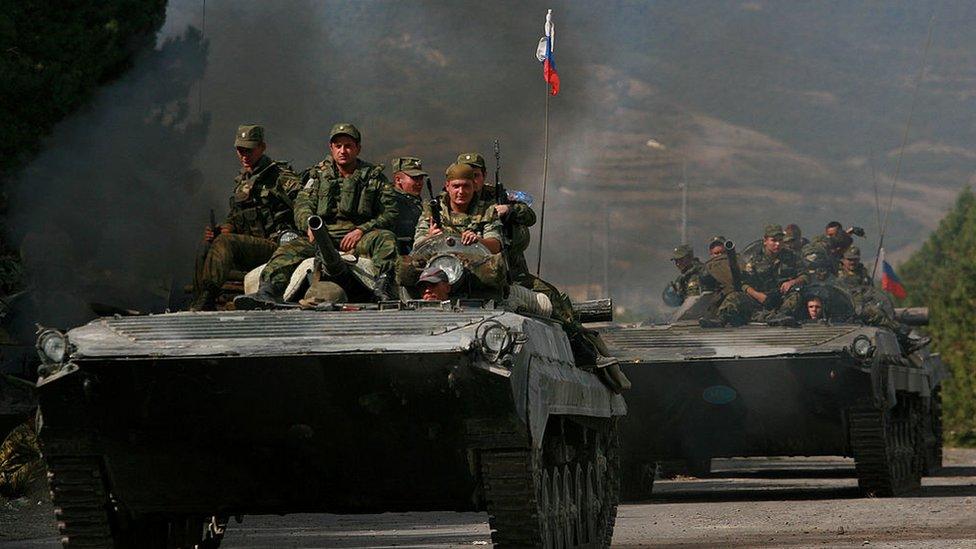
[942, 275]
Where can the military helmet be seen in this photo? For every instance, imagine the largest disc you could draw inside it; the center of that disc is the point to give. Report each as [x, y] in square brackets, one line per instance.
[852, 253]
[472, 159]
[717, 240]
[249, 136]
[681, 252]
[409, 165]
[345, 128]
[792, 232]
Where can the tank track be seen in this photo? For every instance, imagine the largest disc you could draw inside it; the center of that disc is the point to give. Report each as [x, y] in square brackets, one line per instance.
[530, 504]
[886, 445]
[80, 501]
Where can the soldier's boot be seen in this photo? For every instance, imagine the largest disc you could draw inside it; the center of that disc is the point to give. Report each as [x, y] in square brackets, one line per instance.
[782, 319]
[265, 298]
[383, 289]
[608, 369]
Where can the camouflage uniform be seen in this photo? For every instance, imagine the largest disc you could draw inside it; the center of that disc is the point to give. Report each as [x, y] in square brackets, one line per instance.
[765, 272]
[518, 220]
[20, 460]
[409, 206]
[363, 200]
[688, 282]
[856, 277]
[483, 222]
[260, 213]
[733, 307]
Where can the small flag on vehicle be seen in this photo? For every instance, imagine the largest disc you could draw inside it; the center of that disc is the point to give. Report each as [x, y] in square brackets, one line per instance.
[544, 54]
[889, 280]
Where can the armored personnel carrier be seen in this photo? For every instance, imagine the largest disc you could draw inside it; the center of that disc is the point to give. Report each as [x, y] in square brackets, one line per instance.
[830, 387]
[157, 428]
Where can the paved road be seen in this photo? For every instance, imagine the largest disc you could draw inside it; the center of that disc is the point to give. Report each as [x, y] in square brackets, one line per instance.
[791, 503]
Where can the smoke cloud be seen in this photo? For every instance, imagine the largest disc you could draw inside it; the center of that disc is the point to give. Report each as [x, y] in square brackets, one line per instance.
[769, 113]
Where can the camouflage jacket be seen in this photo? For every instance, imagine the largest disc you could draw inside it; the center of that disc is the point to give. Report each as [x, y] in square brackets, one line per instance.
[859, 277]
[484, 221]
[263, 199]
[408, 212]
[364, 200]
[716, 276]
[521, 217]
[764, 272]
[689, 281]
[521, 213]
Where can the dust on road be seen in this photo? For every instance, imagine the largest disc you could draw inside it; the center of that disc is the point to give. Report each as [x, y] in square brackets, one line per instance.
[790, 503]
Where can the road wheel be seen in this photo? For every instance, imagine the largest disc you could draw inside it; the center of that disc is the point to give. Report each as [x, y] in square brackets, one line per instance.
[887, 447]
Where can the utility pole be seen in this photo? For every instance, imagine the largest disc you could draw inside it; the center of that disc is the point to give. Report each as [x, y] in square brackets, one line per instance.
[606, 247]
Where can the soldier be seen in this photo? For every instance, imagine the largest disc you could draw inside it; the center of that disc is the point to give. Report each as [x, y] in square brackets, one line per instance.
[517, 216]
[461, 214]
[769, 275]
[433, 285]
[408, 181]
[716, 246]
[260, 218]
[852, 272]
[731, 306]
[814, 309]
[356, 202]
[688, 282]
[794, 239]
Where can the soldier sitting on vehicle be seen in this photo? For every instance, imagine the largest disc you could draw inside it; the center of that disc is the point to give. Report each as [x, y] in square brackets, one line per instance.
[356, 203]
[730, 306]
[769, 276]
[408, 181]
[852, 272]
[794, 239]
[688, 282]
[260, 218]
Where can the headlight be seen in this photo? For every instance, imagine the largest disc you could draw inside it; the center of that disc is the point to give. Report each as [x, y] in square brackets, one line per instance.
[494, 338]
[52, 346]
[862, 347]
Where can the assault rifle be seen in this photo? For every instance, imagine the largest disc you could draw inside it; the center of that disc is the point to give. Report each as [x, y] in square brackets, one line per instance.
[435, 206]
[213, 225]
[501, 195]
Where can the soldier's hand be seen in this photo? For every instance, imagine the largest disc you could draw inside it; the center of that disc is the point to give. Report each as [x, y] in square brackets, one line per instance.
[757, 295]
[469, 237]
[226, 229]
[208, 234]
[311, 235]
[349, 241]
[502, 209]
[785, 287]
[434, 230]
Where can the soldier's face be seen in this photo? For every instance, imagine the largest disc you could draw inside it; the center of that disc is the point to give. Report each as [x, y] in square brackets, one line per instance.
[249, 157]
[438, 291]
[814, 308]
[716, 251]
[772, 244]
[460, 191]
[830, 231]
[345, 150]
[682, 263]
[850, 264]
[479, 179]
[407, 184]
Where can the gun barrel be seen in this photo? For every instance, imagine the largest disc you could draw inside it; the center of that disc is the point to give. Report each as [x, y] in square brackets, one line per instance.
[332, 262]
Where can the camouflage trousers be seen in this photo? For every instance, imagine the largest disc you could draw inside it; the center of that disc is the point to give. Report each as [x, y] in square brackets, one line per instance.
[20, 461]
[378, 245]
[229, 252]
[739, 308]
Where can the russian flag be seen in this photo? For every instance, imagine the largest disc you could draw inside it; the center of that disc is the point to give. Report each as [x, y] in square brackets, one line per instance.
[889, 280]
[544, 54]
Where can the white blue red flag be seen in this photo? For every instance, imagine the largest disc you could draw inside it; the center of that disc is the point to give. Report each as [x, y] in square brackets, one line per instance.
[544, 54]
[889, 280]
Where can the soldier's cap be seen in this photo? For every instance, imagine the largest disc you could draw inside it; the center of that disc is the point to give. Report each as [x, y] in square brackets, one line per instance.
[717, 240]
[409, 165]
[432, 275]
[249, 136]
[459, 170]
[345, 128]
[682, 252]
[852, 253]
[773, 231]
[472, 159]
[792, 232]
